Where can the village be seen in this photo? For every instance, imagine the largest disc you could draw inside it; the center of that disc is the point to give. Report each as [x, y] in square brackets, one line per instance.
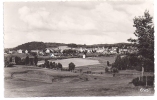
[55, 51]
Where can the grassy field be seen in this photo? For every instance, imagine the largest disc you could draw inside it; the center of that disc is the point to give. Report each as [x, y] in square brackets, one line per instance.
[30, 81]
[77, 61]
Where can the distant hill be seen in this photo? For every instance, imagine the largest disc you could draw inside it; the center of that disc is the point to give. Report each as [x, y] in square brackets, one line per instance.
[31, 46]
[49, 44]
[42, 45]
[120, 45]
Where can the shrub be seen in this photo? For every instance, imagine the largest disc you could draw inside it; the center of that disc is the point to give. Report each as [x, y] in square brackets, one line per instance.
[108, 63]
[126, 62]
[86, 79]
[115, 70]
[148, 65]
[8, 61]
[100, 55]
[46, 64]
[51, 65]
[71, 66]
[59, 66]
[118, 62]
[137, 82]
[88, 72]
[106, 69]
[17, 60]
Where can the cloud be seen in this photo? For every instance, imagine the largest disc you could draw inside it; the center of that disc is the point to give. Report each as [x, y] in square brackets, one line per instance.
[135, 8]
[67, 20]
[104, 16]
[72, 22]
[111, 20]
[35, 18]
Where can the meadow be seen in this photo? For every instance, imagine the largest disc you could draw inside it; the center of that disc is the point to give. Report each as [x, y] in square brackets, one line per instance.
[31, 81]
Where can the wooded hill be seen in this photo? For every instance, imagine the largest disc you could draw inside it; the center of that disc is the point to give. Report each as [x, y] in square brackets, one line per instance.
[42, 45]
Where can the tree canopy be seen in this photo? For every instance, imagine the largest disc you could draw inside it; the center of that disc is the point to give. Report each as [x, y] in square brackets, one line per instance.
[31, 46]
[145, 37]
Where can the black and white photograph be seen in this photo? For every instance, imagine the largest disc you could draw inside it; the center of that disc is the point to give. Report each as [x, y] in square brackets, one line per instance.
[89, 48]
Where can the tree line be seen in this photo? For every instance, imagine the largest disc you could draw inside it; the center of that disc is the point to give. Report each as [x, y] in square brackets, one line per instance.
[145, 43]
[57, 66]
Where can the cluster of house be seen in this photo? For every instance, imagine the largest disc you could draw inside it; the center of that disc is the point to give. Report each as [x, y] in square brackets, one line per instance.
[60, 49]
[112, 50]
[18, 51]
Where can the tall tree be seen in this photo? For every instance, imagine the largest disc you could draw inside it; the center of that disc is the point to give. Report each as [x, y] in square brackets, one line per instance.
[145, 36]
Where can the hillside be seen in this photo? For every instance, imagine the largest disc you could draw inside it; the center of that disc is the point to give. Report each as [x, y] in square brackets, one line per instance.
[31, 46]
[49, 44]
[42, 45]
[111, 45]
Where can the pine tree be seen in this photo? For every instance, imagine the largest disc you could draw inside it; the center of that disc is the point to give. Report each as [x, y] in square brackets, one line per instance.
[145, 38]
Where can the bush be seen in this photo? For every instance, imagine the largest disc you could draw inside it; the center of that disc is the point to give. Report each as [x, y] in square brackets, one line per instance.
[8, 61]
[46, 64]
[50, 65]
[86, 79]
[115, 70]
[71, 66]
[129, 61]
[89, 72]
[137, 82]
[59, 66]
[17, 60]
[132, 61]
[118, 62]
[148, 65]
[100, 55]
[106, 69]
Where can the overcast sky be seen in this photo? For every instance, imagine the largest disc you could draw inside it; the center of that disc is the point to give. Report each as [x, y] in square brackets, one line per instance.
[71, 22]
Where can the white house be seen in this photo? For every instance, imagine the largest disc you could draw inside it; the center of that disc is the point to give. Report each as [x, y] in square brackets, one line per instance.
[47, 51]
[81, 49]
[19, 51]
[106, 52]
[63, 48]
[123, 51]
[26, 51]
[52, 55]
[100, 50]
[41, 53]
[10, 52]
[35, 51]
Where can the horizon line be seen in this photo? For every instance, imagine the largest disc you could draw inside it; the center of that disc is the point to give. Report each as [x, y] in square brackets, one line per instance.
[67, 43]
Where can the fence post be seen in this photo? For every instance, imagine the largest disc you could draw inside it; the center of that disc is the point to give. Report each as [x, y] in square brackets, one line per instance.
[146, 81]
[142, 71]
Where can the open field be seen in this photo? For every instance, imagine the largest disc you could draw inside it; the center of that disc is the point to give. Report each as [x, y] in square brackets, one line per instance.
[77, 61]
[30, 81]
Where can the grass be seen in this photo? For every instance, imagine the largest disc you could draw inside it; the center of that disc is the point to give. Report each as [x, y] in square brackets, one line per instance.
[30, 81]
[77, 61]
